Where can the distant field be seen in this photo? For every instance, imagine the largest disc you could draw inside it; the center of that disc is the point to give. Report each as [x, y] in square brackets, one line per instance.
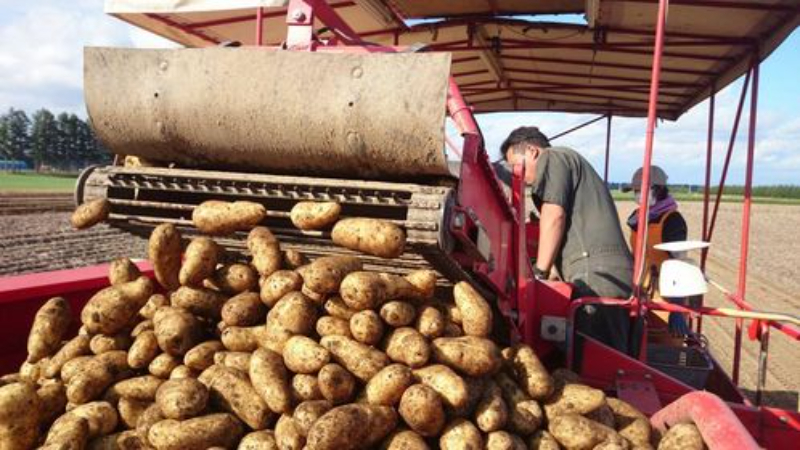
[17, 182]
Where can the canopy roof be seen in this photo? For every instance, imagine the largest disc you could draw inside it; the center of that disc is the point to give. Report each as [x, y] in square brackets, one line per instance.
[505, 60]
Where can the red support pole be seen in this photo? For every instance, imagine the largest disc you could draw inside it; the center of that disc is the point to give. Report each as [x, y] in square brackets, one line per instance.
[652, 112]
[748, 191]
[707, 186]
[608, 148]
[260, 27]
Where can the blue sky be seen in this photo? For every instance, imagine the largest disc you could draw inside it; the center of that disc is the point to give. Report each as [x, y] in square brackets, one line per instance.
[41, 46]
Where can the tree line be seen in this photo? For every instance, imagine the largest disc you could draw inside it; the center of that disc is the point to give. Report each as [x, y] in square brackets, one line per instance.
[48, 142]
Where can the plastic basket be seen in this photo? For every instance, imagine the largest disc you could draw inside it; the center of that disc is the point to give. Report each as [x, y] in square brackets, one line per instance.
[687, 364]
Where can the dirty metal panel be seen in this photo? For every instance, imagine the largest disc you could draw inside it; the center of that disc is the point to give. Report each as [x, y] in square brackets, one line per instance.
[368, 116]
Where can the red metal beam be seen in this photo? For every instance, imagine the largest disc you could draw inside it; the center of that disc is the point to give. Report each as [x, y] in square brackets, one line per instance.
[750, 6]
[248, 17]
[186, 29]
[588, 63]
[259, 26]
[466, 59]
[593, 76]
[575, 94]
[707, 187]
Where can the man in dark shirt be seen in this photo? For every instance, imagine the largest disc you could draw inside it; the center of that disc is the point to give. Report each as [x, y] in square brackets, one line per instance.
[580, 233]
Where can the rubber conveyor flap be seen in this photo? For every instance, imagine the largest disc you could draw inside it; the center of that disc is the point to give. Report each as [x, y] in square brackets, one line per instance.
[350, 115]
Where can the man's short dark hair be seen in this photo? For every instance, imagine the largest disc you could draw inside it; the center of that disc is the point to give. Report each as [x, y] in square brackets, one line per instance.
[527, 135]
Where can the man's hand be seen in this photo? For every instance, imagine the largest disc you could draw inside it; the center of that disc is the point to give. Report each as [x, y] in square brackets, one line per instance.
[552, 223]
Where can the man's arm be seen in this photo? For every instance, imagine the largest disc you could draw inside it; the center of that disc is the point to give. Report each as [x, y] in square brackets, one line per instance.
[552, 223]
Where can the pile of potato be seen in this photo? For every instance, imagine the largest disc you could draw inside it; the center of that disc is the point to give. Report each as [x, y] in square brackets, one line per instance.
[279, 353]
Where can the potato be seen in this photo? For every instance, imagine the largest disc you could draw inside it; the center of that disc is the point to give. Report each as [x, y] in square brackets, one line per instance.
[73, 367]
[77, 346]
[274, 337]
[461, 434]
[112, 309]
[304, 355]
[233, 360]
[336, 307]
[199, 433]
[231, 391]
[525, 413]
[201, 356]
[329, 325]
[305, 388]
[325, 275]
[491, 413]
[469, 355]
[182, 372]
[49, 326]
[387, 386]
[529, 371]
[199, 261]
[543, 440]
[371, 236]
[630, 422]
[52, 399]
[278, 284]
[503, 440]
[95, 376]
[156, 301]
[234, 279]
[164, 252]
[259, 440]
[370, 290]
[336, 384]
[405, 345]
[574, 399]
[366, 327]
[162, 365]
[453, 314]
[307, 413]
[424, 281]
[314, 215]
[149, 417]
[32, 373]
[141, 327]
[295, 313]
[244, 310]
[430, 322]
[476, 314]
[101, 343]
[683, 436]
[182, 399]
[316, 297]
[176, 330]
[19, 431]
[351, 426]
[70, 432]
[293, 259]
[130, 410]
[242, 339]
[578, 432]
[90, 213]
[405, 440]
[143, 350]
[421, 408]
[220, 218]
[125, 440]
[266, 251]
[288, 434]
[101, 417]
[359, 359]
[122, 270]
[199, 301]
[398, 314]
[139, 388]
[451, 387]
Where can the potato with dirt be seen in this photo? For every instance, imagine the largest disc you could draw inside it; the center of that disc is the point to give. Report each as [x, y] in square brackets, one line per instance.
[90, 213]
[543, 440]
[305, 388]
[424, 281]
[242, 339]
[304, 355]
[405, 345]
[577, 432]
[244, 310]
[461, 434]
[525, 414]
[199, 433]
[176, 330]
[387, 386]
[430, 322]
[219, 218]
[476, 314]
[448, 384]
[329, 325]
[233, 279]
[366, 327]
[201, 356]
[96, 375]
[163, 365]
[336, 307]
[315, 215]
[266, 251]
[19, 431]
[491, 414]
[271, 380]
[139, 388]
[164, 251]
[529, 371]
[682, 436]
[102, 343]
[421, 409]
[574, 398]
[374, 237]
[259, 440]
[288, 434]
[50, 325]
[308, 412]
[336, 384]
[295, 313]
[369, 290]
[122, 270]
[361, 360]
[199, 301]
[68, 433]
[325, 274]
[503, 440]
[182, 399]
[470, 355]
[75, 347]
[351, 426]
[630, 422]
[278, 284]
[232, 391]
[199, 261]
[398, 314]
[113, 309]
[405, 440]
[234, 360]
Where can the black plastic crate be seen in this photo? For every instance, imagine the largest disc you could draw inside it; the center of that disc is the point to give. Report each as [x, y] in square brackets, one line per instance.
[688, 364]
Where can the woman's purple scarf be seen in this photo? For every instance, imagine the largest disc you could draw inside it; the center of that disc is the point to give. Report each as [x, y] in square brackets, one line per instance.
[657, 210]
